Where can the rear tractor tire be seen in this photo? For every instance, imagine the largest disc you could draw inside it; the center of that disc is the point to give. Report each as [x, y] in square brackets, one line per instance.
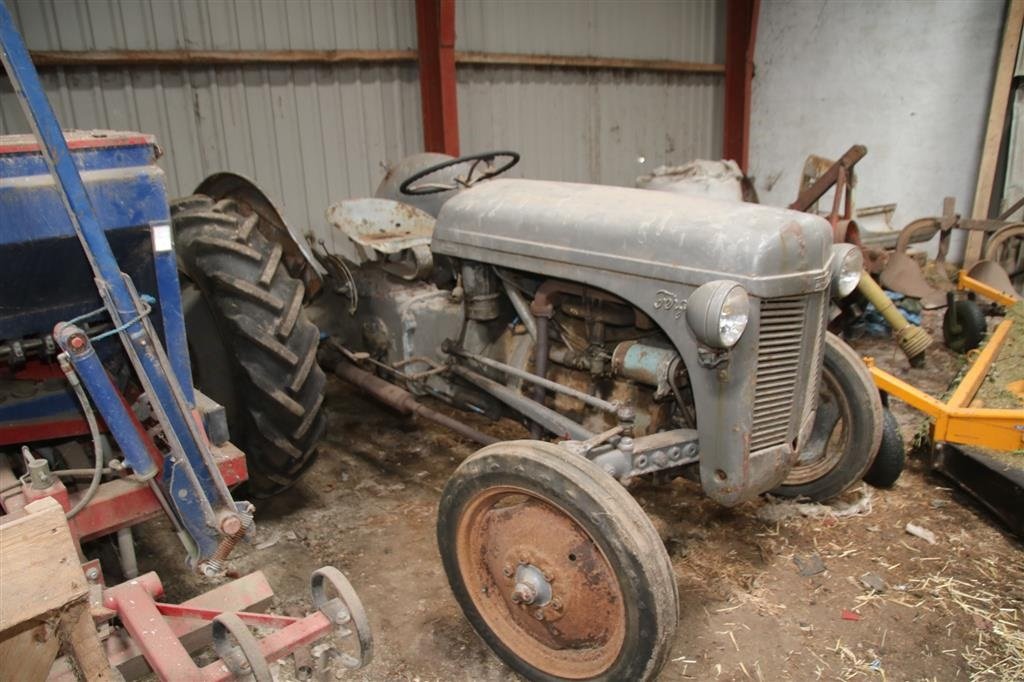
[556, 566]
[252, 348]
[847, 429]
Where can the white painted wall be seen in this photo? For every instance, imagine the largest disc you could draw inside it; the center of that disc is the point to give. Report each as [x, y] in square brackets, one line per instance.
[911, 80]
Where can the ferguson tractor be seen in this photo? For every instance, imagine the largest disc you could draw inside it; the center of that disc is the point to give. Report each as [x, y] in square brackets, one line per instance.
[635, 333]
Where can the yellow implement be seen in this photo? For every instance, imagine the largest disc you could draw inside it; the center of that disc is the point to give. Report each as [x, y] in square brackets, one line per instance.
[977, 447]
[955, 421]
[987, 279]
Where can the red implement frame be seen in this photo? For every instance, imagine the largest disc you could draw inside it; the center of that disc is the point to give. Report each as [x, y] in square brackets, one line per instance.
[146, 620]
[120, 503]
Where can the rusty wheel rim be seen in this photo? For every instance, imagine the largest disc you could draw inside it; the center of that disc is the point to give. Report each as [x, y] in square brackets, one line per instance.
[833, 435]
[574, 630]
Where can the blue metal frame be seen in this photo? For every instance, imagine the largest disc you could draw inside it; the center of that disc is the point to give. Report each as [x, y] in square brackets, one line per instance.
[191, 482]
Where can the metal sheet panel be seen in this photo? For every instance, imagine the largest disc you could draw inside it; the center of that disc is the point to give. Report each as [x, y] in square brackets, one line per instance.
[590, 126]
[308, 134]
[311, 135]
[594, 126]
[685, 30]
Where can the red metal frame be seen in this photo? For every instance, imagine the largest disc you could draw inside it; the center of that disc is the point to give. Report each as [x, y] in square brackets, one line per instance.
[740, 38]
[435, 31]
[120, 503]
[145, 619]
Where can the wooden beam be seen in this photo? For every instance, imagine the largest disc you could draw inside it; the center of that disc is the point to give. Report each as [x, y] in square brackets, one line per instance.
[218, 57]
[435, 31]
[203, 58]
[996, 128]
[585, 63]
[39, 567]
[740, 37]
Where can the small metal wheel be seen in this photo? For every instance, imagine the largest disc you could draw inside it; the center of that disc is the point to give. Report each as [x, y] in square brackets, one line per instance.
[891, 457]
[556, 566]
[847, 428]
[345, 610]
[244, 658]
[963, 326]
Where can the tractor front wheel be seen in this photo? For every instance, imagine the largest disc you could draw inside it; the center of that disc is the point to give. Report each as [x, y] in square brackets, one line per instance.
[253, 350]
[556, 566]
[847, 429]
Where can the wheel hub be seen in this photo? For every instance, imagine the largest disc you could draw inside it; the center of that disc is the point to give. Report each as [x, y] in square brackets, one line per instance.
[531, 588]
[542, 584]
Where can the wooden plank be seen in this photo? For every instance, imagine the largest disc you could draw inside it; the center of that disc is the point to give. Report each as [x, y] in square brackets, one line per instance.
[201, 58]
[78, 630]
[996, 125]
[27, 651]
[39, 568]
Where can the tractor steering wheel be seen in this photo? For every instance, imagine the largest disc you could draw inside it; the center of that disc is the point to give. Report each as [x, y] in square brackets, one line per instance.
[490, 169]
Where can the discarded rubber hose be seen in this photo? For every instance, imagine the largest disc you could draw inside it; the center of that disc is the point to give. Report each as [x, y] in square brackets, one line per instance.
[94, 431]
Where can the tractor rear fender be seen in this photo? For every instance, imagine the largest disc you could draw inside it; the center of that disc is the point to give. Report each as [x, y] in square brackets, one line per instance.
[298, 259]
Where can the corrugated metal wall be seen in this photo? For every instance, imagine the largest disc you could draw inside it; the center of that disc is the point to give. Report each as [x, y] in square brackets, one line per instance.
[595, 126]
[311, 135]
[307, 134]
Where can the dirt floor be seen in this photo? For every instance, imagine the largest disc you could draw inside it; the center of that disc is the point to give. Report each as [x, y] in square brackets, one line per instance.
[952, 610]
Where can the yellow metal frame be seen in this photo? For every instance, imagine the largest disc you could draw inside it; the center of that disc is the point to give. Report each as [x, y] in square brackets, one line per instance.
[954, 421]
[967, 283]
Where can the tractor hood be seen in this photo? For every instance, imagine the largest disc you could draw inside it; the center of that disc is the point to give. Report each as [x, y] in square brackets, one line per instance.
[543, 227]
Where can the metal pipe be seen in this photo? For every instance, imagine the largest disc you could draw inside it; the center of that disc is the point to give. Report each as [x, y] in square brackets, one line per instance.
[398, 398]
[521, 307]
[109, 404]
[600, 404]
[126, 548]
[540, 362]
[561, 426]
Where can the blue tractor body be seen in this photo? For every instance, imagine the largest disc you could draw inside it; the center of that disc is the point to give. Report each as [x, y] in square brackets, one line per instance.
[46, 276]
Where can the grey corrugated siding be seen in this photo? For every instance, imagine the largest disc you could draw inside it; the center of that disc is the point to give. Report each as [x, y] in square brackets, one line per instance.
[308, 134]
[311, 135]
[593, 126]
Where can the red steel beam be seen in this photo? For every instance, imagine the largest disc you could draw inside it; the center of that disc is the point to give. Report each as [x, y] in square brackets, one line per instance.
[740, 37]
[435, 31]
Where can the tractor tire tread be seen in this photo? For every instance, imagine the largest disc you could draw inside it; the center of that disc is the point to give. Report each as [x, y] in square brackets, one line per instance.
[258, 309]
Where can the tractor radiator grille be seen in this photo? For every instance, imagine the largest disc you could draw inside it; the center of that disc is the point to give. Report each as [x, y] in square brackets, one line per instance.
[781, 359]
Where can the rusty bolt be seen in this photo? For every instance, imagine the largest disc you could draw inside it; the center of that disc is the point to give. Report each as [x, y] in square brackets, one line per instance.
[230, 524]
[524, 593]
[548, 575]
[507, 571]
[556, 604]
[539, 614]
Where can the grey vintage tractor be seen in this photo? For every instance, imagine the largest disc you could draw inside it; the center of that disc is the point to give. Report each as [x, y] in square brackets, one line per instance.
[635, 333]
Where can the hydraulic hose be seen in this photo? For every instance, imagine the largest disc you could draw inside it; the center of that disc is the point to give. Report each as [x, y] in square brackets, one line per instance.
[94, 431]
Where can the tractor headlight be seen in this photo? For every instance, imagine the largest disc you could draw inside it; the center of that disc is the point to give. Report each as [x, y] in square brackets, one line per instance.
[718, 313]
[847, 264]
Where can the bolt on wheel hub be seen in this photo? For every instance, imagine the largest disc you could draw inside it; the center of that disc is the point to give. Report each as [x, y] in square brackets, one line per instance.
[531, 588]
